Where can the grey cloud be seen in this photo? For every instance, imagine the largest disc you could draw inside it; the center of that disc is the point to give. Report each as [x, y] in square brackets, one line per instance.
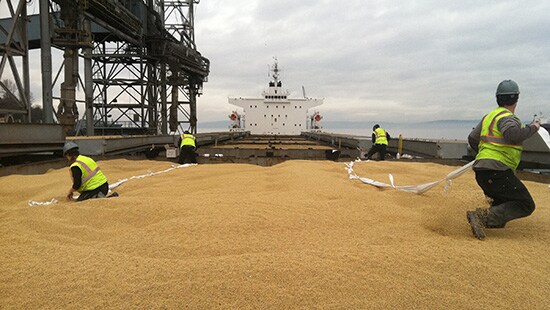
[378, 59]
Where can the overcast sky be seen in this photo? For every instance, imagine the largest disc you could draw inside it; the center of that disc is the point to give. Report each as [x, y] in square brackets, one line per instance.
[372, 60]
[378, 60]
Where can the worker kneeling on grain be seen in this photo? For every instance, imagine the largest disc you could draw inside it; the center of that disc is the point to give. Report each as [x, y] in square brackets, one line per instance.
[498, 139]
[88, 179]
[380, 138]
[187, 145]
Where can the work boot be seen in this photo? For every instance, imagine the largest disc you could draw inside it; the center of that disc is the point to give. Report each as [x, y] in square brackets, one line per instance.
[113, 194]
[483, 215]
[476, 223]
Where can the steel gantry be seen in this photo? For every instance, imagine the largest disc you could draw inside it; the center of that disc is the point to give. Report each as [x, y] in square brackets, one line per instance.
[13, 46]
[138, 57]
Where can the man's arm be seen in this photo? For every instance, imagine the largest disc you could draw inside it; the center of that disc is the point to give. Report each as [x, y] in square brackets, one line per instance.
[388, 136]
[77, 177]
[474, 137]
[512, 131]
[76, 173]
[373, 138]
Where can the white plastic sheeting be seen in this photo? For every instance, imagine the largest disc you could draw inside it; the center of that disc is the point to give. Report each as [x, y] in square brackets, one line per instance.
[150, 174]
[116, 184]
[38, 203]
[545, 135]
[416, 189]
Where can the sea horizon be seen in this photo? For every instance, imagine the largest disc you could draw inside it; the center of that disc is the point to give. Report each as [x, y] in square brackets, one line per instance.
[439, 129]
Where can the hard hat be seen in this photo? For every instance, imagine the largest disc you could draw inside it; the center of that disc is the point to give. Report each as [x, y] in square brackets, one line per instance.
[69, 145]
[508, 87]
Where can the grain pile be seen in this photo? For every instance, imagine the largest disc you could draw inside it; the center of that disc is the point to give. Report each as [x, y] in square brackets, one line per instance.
[296, 235]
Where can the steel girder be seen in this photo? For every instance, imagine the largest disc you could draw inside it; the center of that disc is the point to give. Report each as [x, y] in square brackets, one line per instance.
[139, 56]
[15, 44]
[188, 69]
[125, 88]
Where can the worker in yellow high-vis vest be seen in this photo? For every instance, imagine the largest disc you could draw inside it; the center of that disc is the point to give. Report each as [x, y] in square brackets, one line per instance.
[187, 144]
[380, 138]
[497, 139]
[87, 178]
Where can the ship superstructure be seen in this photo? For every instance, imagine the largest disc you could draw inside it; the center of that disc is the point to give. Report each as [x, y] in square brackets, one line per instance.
[275, 113]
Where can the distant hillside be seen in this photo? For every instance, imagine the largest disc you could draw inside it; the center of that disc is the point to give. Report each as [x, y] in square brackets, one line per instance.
[369, 124]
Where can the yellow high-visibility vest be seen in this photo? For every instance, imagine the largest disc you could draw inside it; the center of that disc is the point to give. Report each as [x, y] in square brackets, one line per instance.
[92, 177]
[380, 135]
[187, 139]
[492, 144]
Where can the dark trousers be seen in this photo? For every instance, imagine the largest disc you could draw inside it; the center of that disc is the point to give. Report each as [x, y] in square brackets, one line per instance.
[377, 148]
[511, 199]
[187, 155]
[95, 193]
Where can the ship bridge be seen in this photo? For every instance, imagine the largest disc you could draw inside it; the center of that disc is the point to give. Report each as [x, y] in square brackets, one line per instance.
[275, 113]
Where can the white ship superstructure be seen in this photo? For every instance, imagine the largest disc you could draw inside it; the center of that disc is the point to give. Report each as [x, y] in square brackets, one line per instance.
[275, 113]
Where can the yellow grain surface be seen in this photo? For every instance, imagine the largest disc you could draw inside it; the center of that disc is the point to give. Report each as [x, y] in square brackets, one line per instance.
[296, 235]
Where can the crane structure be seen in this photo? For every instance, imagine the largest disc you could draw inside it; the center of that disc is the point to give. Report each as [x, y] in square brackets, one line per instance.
[141, 68]
[14, 46]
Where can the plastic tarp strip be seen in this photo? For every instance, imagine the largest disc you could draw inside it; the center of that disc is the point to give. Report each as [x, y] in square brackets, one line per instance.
[45, 203]
[545, 135]
[116, 184]
[415, 189]
[120, 182]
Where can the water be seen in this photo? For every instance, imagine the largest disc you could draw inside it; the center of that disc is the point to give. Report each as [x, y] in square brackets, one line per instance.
[448, 130]
[414, 131]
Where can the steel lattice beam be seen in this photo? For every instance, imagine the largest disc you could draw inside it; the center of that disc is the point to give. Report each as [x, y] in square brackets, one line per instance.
[139, 56]
[15, 46]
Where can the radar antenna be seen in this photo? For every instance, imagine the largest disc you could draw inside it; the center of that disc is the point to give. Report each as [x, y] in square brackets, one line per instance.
[275, 69]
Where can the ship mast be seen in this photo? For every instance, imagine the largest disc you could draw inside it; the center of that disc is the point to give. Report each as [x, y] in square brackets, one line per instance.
[275, 75]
